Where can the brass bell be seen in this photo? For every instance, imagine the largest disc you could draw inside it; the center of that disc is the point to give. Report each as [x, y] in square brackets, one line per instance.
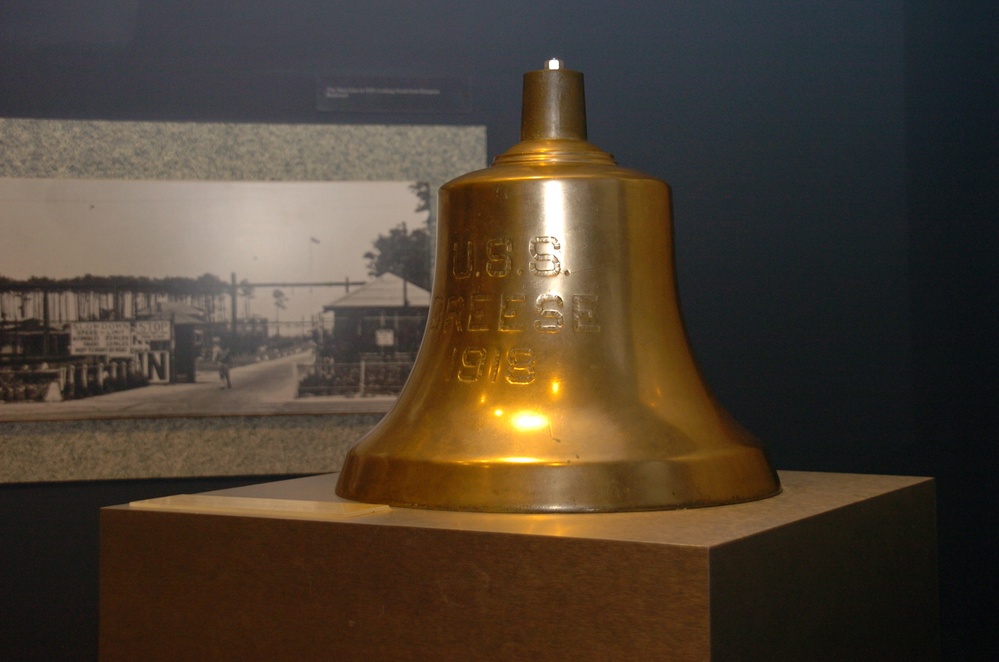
[555, 373]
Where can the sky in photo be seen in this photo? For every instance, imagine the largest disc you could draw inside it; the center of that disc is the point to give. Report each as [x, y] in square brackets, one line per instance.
[261, 231]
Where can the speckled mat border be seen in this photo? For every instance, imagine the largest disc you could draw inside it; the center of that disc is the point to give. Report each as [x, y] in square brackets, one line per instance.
[109, 449]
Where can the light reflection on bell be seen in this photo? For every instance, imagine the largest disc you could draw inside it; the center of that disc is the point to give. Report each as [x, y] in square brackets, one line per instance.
[555, 373]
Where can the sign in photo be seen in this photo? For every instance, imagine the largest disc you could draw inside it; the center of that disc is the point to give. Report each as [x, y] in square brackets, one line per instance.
[120, 339]
[384, 337]
[149, 331]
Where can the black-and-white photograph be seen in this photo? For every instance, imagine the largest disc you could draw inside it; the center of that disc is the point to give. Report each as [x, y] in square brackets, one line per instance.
[188, 298]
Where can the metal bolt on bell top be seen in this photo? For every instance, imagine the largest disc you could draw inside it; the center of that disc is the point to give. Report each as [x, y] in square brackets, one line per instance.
[555, 373]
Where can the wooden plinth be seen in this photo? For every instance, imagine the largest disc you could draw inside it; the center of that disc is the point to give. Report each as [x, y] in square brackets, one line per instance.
[837, 567]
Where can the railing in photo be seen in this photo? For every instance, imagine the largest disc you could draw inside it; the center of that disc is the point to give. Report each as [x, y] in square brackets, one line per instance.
[366, 378]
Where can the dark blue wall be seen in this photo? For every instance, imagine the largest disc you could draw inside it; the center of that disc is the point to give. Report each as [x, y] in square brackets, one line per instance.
[834, 166]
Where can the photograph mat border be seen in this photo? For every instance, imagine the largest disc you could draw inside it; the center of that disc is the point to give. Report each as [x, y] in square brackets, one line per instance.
[130, 448]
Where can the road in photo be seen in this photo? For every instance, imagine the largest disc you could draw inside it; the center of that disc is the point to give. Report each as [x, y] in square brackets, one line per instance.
[265, 387]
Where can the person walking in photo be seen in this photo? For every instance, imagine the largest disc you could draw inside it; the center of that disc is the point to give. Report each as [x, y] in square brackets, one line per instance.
[225, 364]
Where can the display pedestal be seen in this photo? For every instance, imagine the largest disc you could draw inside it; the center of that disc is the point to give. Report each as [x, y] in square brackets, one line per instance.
[837, 567]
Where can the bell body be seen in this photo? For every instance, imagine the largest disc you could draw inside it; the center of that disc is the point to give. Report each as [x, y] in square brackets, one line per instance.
[555, 373]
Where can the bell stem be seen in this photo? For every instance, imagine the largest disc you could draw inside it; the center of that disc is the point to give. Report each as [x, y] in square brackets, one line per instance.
[553, 104]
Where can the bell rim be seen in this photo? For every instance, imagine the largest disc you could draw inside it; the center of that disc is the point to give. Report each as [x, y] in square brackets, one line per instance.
[581, 487]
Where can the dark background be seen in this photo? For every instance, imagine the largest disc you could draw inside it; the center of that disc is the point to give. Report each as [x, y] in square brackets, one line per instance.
[835, 167]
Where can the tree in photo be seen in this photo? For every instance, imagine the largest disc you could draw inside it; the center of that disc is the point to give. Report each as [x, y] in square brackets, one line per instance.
[246, 290]
[404, 252]
[280, 303]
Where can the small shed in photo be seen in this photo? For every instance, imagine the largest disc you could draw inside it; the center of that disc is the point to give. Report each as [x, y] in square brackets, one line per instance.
[385, 316]
[189, 331]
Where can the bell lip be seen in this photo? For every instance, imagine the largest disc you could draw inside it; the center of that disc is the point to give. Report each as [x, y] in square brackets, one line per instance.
[576, 510]
[739, 474]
